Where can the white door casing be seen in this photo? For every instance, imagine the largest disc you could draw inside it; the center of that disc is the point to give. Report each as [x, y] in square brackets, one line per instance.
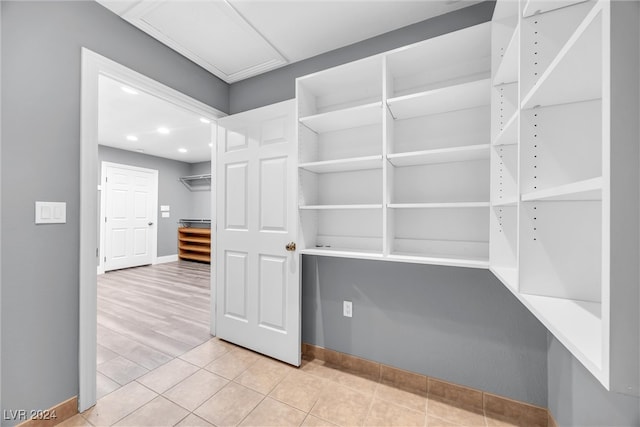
[130, 215]
[258, 279]
[94, 65]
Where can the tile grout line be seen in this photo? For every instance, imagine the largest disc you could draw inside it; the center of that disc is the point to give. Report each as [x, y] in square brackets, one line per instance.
[132, 411]
[252, 409]
[373, 398]
[426, 407]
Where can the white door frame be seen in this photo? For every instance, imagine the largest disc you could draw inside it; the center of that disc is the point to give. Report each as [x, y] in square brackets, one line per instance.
[103, 212]
[94, 65]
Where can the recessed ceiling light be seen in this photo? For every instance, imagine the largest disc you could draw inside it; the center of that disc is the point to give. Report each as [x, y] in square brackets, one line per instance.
[129, 90]
[204, 120]
[163, 130]
[132, 138]
[211, 144]
[182, 150]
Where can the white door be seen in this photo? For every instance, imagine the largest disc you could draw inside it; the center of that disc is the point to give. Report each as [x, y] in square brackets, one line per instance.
[130, 199]
[257, 273]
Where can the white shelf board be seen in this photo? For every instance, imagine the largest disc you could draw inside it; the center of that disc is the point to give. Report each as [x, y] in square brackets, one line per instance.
[589, 189]
[443, 155]
[342, 253]
[450, 98]
[361, 115]
[509, 134]
[344, 165]
[339, 207]
[364, 72]
[578, 62]
[439, 260]
[454, 205]
[533, 7]
[507, 71]
[507, 275]
[511, 201]
[577, 324]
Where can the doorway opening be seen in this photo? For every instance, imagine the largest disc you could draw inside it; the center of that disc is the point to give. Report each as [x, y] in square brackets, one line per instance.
[155, 235]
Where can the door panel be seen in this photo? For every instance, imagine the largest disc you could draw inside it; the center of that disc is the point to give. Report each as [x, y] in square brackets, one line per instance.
[140, 240]
[118, 243]
[236, 140]
[235, 284]
[274, 131]
[273, 292]
[258, 292]
[237, 194]
[130, 197]
[273, 194]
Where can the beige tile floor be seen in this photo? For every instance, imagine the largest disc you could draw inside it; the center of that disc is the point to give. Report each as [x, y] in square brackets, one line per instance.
[218, 383]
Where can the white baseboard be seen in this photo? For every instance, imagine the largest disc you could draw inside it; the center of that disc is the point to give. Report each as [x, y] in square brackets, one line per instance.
[166, 259]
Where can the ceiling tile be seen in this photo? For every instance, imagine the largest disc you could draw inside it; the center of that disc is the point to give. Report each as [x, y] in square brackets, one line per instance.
[304, 28]
[210, 33]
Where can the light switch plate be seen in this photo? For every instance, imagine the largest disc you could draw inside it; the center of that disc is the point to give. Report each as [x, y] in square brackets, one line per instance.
[51, 213]
[165, 208]
[165, 215]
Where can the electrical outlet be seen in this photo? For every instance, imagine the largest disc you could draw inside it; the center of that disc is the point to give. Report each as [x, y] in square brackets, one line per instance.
[347, 309]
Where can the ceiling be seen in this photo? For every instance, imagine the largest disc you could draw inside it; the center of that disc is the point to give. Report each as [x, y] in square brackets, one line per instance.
[131, 112]
[234, 40]
[237, 39]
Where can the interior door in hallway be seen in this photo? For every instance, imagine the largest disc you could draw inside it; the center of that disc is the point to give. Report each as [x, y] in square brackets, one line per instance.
[130, 199]
[257, 266]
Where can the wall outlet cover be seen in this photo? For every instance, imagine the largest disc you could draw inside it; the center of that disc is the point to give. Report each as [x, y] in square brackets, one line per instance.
[347, 309]
[51, 213]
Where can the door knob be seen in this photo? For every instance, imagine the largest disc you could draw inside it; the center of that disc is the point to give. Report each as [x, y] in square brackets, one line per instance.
[150, 223]
[291, 246]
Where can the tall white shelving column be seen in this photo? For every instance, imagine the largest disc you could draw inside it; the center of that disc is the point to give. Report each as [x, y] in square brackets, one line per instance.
[505, 125]
[341, 160]
[576, 267]
[438, 96]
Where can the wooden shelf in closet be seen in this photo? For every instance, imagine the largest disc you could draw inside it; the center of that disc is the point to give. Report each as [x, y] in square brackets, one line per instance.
[194, 244]
[449, 98]
[441, 155]
[344, 165]
[361, 115]
[507, 71]
[534, 7]
[509, 134]
[588, 189]
[579, 62]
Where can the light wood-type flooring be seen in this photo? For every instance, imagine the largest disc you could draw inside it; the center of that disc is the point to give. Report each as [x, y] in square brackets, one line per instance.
[148, 316]
[158, 366]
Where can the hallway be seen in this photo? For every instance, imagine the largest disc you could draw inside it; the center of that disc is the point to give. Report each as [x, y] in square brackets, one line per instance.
[148, 316]
[158, 366]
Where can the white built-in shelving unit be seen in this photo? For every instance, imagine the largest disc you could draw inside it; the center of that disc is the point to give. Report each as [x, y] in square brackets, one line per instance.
[341, 160]
[562, 143]
[551, 237]
[493, 147]
[394, 154]
[505, 124]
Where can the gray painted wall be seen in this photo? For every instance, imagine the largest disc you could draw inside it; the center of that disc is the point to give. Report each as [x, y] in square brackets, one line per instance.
[576, 398]
[279, 85]
[170, 191]
[0, 210]
[41, 45]
[457, 324]
[201, 200]
[458, 310]
[460, 325]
